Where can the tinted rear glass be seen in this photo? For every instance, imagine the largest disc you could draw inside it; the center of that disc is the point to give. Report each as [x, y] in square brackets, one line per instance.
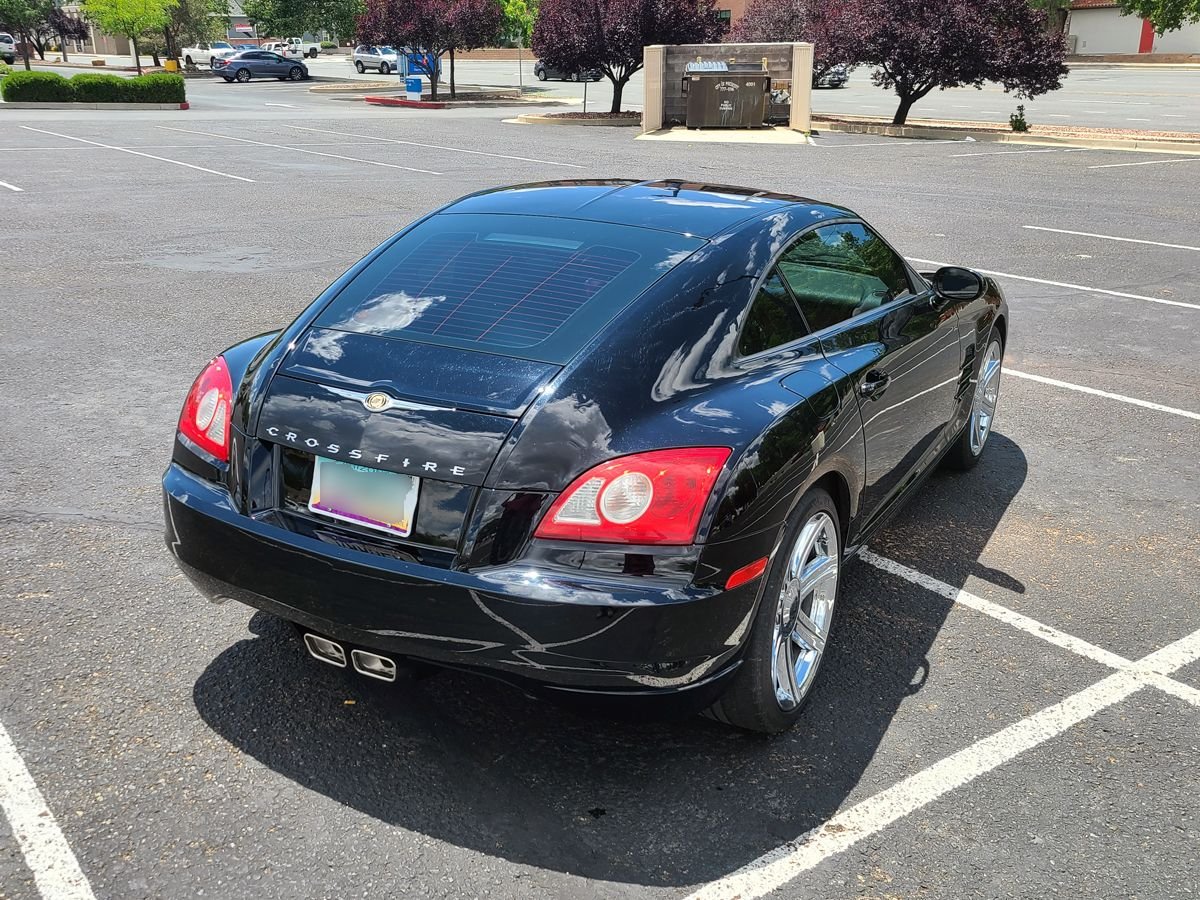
[532, 287]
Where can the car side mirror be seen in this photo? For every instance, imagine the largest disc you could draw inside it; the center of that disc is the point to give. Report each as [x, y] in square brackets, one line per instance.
[957, 283]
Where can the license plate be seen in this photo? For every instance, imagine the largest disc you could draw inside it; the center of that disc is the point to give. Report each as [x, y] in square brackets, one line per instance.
[385, 501]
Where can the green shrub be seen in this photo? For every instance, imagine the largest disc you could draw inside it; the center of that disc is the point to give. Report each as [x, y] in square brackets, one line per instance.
[94, 87]
[36, 87]
[4, 69]
[160, 87]
[1016, 121]
[328, 45]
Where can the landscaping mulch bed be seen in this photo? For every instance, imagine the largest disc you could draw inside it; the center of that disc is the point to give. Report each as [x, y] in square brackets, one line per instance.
[630, 116]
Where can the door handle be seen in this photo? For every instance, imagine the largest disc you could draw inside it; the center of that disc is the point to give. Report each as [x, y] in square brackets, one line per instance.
[874, 384]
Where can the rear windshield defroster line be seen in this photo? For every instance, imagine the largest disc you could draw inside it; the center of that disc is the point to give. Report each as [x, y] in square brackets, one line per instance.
[533, 287]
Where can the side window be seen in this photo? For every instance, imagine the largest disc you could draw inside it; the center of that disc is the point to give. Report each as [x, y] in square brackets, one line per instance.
[839, 271]
[773, 319]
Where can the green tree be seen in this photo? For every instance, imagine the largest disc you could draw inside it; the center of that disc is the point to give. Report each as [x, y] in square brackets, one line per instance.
[519, 19]
[20, 17]
[1167, 15]
[130, 18]
[288, 18]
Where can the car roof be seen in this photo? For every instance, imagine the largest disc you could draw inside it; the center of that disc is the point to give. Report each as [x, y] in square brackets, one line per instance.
[683, 207]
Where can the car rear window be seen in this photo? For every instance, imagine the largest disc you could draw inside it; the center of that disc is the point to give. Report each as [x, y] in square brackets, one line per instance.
[527, 286]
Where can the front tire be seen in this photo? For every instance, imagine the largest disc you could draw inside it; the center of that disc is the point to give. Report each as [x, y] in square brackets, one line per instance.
[187, 61]
[295, 73]
[540, 74]
[384, 69]
[792, 626]
[966, 452]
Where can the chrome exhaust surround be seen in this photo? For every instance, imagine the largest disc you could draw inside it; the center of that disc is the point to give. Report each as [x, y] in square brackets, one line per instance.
[325, 650]
[373, 665]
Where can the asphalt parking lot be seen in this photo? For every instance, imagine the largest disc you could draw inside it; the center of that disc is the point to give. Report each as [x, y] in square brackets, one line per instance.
[1011, 705]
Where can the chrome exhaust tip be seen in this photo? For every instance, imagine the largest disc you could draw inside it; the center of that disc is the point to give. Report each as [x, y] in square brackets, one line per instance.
[325, 650]
[373, 665]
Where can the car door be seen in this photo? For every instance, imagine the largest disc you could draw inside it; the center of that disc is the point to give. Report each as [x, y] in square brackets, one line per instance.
[881, 325]
[279, 64]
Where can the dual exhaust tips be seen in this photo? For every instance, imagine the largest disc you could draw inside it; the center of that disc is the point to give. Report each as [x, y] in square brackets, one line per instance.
[365, 663]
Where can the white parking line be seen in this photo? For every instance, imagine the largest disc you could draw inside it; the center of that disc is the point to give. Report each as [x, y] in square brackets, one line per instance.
[775, 869]
[548, 162]
[1187, 414]
[55, 870]
[1153, 162]
[369, 162]
[1065, 284]
[12, 187]
[1149, 674]
[1007, 152]
[1110, 237]
[138, 153]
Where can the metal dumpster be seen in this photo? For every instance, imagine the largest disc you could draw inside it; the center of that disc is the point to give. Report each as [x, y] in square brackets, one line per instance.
[726, 95]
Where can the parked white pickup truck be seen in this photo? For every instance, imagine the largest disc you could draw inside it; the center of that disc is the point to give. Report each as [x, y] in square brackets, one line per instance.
[306, 48]
[204, 52]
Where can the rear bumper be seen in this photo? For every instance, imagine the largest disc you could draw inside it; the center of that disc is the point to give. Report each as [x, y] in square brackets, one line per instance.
[558, 630]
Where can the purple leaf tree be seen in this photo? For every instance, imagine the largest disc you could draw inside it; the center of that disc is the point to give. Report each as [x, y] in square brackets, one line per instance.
[433, 28]
[609, 35]
[918, 46]
[835, 29]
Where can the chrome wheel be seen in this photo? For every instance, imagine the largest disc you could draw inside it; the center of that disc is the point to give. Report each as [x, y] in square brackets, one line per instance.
[987, 395]
[804, 611]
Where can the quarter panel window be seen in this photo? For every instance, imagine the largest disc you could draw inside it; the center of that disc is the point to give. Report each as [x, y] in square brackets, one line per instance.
[773, 319]
[840, 271]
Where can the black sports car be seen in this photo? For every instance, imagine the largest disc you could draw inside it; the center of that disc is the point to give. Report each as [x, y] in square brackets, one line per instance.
[595, 437]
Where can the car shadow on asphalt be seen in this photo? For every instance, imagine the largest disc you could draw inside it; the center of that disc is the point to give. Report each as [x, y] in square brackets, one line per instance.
[477, 764]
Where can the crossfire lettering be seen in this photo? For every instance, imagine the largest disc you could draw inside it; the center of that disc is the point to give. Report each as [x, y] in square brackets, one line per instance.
[336, 450]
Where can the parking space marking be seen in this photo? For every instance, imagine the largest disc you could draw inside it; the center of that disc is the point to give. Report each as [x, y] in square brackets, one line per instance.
[997, 611]
[1187, 414]
[12, 187]
[1065, 284]
[47, 854]
[1008, 152]
[1111, 237]
[548, 162]
[776, 868]
[886, 143]
[369, 162]
[1153, 162]
[139, 153]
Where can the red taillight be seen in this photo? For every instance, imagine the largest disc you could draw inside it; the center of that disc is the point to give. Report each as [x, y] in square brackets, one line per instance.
[647, 498]
[206, 413]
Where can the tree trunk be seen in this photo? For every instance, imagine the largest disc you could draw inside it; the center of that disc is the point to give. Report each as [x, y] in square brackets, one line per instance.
[453, 94]
[24, 48]
[906, 102]
[62, 42]
[39, 47]
[618, 89]
[137, 60]
[154, 57]
[433, 80]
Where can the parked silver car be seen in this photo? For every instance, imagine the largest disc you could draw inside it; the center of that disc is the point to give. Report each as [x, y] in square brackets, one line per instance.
[385, 60]
[8, 48]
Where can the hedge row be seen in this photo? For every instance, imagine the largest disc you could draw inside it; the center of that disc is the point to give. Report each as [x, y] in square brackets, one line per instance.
[91, 87]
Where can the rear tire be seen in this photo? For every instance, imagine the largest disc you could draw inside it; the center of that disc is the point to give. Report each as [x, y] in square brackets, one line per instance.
[187, 61]
[312, 54]
[791, 630]
[242, 75]
[968, 448]
[359, 67]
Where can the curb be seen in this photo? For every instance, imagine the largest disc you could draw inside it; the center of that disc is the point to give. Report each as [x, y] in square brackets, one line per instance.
[928, 132]
[400, 101]
[536, 119]
[25, 105]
